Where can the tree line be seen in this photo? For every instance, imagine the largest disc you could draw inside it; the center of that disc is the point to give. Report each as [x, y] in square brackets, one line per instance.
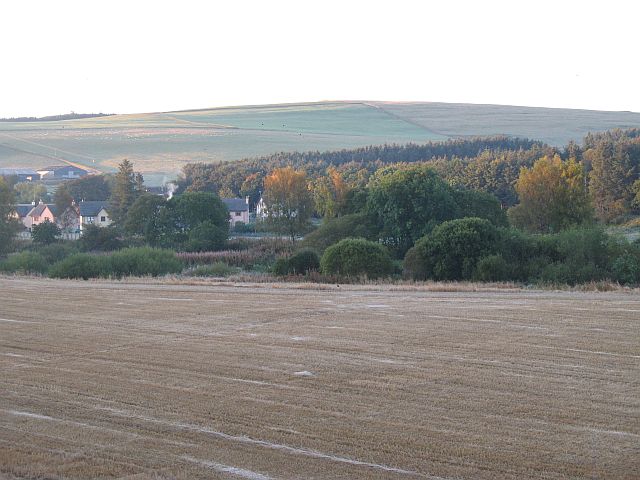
[609, 162]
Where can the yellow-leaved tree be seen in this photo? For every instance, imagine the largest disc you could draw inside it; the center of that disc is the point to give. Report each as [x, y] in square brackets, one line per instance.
[288, 201]
[552, 195]
[330, 194]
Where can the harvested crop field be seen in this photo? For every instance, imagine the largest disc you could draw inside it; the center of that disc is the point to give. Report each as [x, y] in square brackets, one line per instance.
[138, 380]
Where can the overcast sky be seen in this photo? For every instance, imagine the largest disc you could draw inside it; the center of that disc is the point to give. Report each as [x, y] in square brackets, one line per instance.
[143, 56]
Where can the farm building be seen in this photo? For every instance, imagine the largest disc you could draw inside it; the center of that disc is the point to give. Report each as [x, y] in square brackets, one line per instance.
[22, 174]
[238, 210]
[94, 213]
[62, 172]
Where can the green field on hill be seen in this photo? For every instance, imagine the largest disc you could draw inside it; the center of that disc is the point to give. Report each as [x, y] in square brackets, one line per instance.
[159, 144]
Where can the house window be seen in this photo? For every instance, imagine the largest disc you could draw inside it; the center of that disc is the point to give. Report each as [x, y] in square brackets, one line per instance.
[238, 214]
[88, 219]
[103, 219]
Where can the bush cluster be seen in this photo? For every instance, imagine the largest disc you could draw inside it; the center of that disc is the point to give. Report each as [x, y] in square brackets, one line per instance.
[142, 261]
[301, 263]
[356, 225]
[217, 269]
[25, 263]
[474, 249]
[357, 257]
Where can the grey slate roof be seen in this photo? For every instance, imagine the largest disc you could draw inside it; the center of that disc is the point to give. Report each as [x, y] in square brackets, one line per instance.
[18, 171]
[22, 209]
[53, 168]
[91, 209]
[236, 204]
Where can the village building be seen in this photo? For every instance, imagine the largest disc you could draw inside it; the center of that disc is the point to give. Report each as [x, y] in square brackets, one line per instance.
[66, 172]
[38, 214]
[22, 174]
[94, 213]
[261, 210]
[238, 210]
[69, 222]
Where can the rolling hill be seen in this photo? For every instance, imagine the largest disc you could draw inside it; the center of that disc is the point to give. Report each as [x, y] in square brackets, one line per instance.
[159, 144]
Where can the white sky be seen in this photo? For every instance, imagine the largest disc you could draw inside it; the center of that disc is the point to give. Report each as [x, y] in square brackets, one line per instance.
[141, 56]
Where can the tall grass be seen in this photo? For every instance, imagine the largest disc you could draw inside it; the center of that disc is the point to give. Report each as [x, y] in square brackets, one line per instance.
[246, 254]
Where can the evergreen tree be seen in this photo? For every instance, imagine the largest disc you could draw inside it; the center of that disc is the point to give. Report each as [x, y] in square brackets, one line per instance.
[62, 199]
[126, 189]
[9, 225]
[613, 172]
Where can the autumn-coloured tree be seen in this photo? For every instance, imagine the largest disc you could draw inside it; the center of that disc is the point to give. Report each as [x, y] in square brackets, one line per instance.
[330, 194]
[288, 201]
[552, 196]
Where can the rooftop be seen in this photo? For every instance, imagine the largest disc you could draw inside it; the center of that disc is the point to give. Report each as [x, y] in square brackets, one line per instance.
[236, 204]
[92, 208]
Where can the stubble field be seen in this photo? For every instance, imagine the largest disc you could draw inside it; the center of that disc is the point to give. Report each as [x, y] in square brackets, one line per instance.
[139, 380]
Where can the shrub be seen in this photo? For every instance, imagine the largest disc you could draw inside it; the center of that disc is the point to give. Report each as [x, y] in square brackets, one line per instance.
[143, 261]
[281, 267]
[57, 251]
[492, 268]
[626, 269]
[206, 237]
[218, 269]
[25, 262]
[414, 266]
[356, 225]
[304, 261]
[356, 257]
[453, 249]
[99, 239]
[128, 262]
[45, 233]
[301, 263]
[80, 265]
[575, 256]
[241, 227]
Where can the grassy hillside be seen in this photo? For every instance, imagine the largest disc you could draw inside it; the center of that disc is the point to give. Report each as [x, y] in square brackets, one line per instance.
[159, 144]
[555, 126]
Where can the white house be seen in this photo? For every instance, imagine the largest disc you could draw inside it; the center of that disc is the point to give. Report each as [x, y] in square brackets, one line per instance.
[94, 213]
[261, 210]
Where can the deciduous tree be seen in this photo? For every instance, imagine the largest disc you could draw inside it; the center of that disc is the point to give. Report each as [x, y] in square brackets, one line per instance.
[408, 203]
[27, 192]
[552, 196]
[45, 233]
[330, 194]
[288, 201]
